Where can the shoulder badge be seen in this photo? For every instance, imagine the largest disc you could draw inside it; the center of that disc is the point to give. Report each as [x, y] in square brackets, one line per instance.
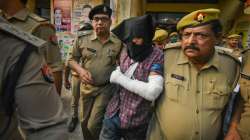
[53, 39]
[176, 45]
[47, 73]
[22, 35]
[37, 18]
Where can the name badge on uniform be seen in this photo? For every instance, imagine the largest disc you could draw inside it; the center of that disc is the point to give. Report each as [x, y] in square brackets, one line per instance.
[178, 77]
[245, 76]
[91, 50]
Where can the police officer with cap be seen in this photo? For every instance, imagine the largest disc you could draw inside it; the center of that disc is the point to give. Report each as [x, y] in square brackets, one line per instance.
[160, 38]
[98, 52]
[233, 43]
[198, 82]
[240, 123]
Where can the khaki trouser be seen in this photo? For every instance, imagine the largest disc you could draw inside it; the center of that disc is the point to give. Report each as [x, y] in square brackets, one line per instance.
[12, 133]
[93, 109]
[75, 82]
[154, 130]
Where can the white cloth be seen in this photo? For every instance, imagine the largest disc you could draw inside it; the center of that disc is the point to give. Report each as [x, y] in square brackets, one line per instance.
[149, 90]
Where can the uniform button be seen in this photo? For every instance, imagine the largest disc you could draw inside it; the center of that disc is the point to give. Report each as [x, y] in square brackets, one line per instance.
[197, 91]
[197, 111]
[197, 133]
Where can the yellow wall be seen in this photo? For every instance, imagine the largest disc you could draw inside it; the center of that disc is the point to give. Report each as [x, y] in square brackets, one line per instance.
[233, 18]
[177, 7]
[31, 4]
[229, 13]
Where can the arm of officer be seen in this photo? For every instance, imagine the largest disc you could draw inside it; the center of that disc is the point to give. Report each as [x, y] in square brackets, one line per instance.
[52, 53]
[74, 58]
[38, 104]
[233, 133]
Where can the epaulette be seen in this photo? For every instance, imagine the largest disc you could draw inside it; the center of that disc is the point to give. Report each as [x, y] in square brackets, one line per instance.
[176, 45]
[224, 49]
[21, 34]
[83, 33]
[223, 52]
[245, 50]
[37, 18]
[245, 76]
[43, 24]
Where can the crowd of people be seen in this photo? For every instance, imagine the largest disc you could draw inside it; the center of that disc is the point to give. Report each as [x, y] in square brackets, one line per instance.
[135, 82]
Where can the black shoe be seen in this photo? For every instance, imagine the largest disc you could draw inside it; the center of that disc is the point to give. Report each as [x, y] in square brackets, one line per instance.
[73, 124]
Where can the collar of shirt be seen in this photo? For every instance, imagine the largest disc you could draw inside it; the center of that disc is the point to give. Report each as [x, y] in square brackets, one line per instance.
[213, 62]
[20, 15]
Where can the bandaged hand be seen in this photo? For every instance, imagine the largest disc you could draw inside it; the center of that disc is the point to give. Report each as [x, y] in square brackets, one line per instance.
[116, 75]
[149, 90]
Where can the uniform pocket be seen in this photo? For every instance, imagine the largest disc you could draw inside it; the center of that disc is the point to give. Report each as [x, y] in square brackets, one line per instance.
[216, 98]
[89, 53]
[174, 89]
[112, 55]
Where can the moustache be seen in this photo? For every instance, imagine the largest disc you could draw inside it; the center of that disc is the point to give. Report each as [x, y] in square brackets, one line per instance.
[193, 47]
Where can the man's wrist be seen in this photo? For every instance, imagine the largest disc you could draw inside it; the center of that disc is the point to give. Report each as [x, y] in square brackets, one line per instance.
[233, 125]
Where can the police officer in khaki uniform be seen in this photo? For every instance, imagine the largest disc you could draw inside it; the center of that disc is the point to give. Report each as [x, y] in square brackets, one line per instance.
[98, 52]
[16, 13]
[75, 82]
[233, 44]
[160, 38]
[240, 124]
[25, 89]
[233, 47]
[198, 82]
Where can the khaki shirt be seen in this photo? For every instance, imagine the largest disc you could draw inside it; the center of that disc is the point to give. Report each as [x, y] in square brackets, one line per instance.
[236, 51]
[191, 106]
[99, 59]
[38, 104]
[41, 28]
[244, 126]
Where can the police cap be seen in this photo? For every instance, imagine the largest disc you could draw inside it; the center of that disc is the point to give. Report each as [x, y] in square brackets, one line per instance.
[100, 9]
[199, 17]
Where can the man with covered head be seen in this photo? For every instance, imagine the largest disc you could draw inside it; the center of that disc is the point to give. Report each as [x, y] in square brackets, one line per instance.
[139, 78]
[198, 82]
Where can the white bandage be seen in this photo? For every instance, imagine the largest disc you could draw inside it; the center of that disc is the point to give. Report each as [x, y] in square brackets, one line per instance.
[149, 90]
